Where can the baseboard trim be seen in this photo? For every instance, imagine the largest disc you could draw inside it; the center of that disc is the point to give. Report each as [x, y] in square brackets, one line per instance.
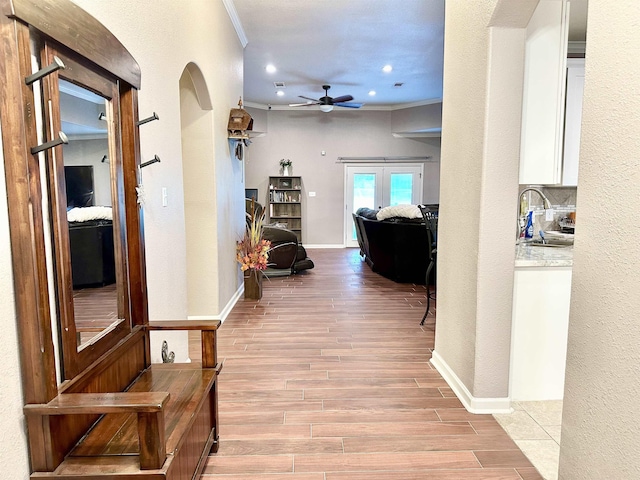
[471, 403]
[323, 245]
[225, 311]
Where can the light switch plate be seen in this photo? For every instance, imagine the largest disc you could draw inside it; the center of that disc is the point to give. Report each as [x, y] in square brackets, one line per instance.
[312, 194]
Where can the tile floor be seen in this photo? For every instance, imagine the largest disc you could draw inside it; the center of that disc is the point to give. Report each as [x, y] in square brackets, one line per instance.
[328, 377]
[535, 428]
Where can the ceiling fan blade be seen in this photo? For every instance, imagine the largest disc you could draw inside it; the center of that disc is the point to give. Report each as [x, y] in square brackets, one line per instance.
[309, 98]
[307, 104]
[348, 105]
[343, 98]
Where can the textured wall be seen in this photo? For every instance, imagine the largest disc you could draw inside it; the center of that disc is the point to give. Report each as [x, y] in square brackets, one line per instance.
[302, 135]
[14, 460]
[480, 148]
[600, 419]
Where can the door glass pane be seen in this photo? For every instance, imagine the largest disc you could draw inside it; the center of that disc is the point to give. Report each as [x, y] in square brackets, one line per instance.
[364, 193]
[401, 189]
[364, 190]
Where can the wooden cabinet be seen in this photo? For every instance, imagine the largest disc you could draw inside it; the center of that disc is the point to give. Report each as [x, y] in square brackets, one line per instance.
[543, 94]
[285, 203]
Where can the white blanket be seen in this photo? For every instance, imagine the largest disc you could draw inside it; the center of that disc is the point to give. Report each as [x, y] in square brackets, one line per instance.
[84, 214]
[405, 211]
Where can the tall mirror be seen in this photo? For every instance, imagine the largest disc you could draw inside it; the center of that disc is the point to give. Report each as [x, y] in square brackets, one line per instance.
[87, 214]
[89, 202]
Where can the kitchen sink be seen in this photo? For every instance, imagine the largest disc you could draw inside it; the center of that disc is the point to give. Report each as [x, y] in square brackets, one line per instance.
[552, 245]
[548, 244]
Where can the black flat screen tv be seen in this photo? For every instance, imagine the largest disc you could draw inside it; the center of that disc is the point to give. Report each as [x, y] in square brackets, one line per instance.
[79, 180]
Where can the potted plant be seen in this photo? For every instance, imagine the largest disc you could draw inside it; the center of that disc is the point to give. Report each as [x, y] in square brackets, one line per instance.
[285, 166]
[252, 253]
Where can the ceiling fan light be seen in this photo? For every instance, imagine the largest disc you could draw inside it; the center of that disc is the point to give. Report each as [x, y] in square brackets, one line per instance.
[326, 108]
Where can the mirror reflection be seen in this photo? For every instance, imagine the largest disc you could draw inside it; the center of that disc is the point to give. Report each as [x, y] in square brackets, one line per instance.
[89, 212]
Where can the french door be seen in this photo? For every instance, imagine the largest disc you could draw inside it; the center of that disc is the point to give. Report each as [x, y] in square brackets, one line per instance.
[377, 186]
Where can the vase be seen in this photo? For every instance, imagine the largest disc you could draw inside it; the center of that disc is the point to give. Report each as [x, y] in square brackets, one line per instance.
[253, 285]
[285, 171]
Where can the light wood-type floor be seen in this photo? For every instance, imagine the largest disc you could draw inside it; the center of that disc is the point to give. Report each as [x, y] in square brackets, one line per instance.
[328, 378]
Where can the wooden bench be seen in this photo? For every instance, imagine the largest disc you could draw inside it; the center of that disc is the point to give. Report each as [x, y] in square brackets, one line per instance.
[161, 424]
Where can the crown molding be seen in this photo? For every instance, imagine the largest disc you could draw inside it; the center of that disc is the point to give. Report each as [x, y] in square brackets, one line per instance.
[235, 20]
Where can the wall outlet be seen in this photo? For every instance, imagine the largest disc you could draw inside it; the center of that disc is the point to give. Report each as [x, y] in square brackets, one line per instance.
[548, 214]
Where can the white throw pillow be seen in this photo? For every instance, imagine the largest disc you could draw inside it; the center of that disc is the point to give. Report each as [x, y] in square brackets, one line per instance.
[406, 211]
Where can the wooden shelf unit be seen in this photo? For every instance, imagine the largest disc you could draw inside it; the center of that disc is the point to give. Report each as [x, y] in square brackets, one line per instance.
[285, 203]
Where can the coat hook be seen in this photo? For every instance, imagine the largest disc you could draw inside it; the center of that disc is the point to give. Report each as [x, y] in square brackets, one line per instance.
[155, 159]
[55, 66]
[102, 116]
[62, 138]
[105, 159]
[149, 119]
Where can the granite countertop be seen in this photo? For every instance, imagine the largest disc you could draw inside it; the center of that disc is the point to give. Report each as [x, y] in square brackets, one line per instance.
[528, 256]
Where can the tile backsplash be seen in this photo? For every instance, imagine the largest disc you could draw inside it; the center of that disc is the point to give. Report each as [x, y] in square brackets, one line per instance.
[563, 201]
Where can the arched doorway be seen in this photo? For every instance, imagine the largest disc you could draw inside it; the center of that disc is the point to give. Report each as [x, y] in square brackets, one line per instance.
[198, 165]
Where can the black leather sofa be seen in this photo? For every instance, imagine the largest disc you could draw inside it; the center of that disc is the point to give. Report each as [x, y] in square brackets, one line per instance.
[92, 253]
[395, 248]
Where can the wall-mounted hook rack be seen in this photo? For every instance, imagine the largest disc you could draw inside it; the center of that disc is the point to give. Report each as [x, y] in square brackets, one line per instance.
[62, 138]
[155, 159]
[49, 69]
[148, 119]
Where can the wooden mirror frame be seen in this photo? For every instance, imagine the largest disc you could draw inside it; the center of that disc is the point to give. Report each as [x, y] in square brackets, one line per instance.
[105, 86]
[87, 42]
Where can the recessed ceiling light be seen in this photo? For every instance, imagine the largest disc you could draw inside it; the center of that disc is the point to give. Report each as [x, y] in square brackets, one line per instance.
[387, 68]
[270, 68]
[280, 93]
[372, 92]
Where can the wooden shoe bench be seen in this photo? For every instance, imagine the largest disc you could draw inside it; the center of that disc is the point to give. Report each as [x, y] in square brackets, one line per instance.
[162, 425]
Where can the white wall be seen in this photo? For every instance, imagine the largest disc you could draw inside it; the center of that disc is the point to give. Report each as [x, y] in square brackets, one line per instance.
[14, 456]
[483, 71]
[600, 417]
[301, 136]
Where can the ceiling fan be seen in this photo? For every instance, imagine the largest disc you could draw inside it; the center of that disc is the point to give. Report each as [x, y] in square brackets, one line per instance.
[327, 103]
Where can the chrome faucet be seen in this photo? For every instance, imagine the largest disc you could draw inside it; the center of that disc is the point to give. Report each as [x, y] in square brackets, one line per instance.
[547, 203]
[522, 217]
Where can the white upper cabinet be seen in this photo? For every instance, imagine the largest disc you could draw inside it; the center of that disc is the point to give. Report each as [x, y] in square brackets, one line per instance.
[573, 121]
[544, 94]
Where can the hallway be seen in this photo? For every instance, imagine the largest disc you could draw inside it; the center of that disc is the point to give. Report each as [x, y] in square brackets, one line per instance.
[328, 378]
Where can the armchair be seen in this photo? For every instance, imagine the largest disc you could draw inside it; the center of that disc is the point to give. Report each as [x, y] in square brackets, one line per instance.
[286, 256]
